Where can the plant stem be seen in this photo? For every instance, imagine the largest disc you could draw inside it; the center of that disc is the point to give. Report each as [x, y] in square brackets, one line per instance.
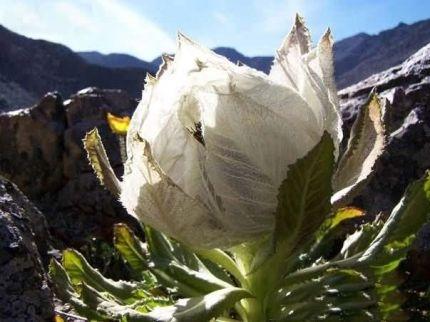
[223, 319]
[221, 258]
[254, 310]
[260, 281]
[241, 311]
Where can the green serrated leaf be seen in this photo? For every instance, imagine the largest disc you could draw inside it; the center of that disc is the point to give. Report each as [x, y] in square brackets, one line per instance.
[64, 290]
[391, 244]
[159, 244]
[217, 271]
[201, 308]
[99, 161]
[335, 292]
[187, 281]
[375, 252]
[176, 266]
[131, 248]
[185, 256]
[60, 278]
[195, 309]
[331, 232]
[399, 231]
[360, 240]
[162, 247]
[80, 271]
[342, 281]
[304, 196]
[366, 143]
[110, 309]
[221, 258]
[150, 303]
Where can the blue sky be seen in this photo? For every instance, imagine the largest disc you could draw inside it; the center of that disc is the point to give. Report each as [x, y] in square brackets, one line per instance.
[146, 28]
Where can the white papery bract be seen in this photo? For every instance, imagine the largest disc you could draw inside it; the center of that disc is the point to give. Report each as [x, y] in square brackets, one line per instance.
[210, 142]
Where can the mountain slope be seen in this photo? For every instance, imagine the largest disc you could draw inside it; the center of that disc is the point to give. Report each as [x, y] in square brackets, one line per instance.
[356, 57]
[29, 68]
[114, 60]
[362, 55]
[262, 63]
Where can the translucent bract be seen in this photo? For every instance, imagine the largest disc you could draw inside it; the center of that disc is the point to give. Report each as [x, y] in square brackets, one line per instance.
[210, 142]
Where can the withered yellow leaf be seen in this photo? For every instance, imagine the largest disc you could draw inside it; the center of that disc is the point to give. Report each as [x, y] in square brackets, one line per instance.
[118, 124]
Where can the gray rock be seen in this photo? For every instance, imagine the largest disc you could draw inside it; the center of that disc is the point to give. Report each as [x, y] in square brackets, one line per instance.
[31, 145]
[42, 153]
[406, 157]
[24, 291]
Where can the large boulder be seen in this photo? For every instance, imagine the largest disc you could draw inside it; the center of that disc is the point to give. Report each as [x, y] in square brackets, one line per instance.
[24, 291]
[42, 152]
[31, 145]
[85, 206]
[406, 157]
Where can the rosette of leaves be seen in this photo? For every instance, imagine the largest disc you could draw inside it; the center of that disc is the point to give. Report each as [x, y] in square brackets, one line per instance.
[291, 274]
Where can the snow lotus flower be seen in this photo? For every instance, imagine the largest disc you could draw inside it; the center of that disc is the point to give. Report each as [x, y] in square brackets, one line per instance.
[210, 142]
[221, 155]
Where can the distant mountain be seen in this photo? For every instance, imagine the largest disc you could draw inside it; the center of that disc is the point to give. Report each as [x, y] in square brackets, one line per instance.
[115, 60]
[356, 57]
[362, 55]
[29, 68]
[262, 63]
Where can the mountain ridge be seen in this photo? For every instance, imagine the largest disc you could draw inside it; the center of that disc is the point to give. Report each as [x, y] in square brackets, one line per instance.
[114, 60]
[371, 54]
[356, 57]
[54, 67]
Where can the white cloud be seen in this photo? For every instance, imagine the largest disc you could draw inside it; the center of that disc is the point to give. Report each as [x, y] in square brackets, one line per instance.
[221, 18]
[134, 32]
[103, 25]
[74, 15]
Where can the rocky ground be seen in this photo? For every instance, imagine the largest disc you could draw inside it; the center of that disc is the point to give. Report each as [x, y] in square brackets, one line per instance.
[41, 152]
[23, 238]
[406, 157]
